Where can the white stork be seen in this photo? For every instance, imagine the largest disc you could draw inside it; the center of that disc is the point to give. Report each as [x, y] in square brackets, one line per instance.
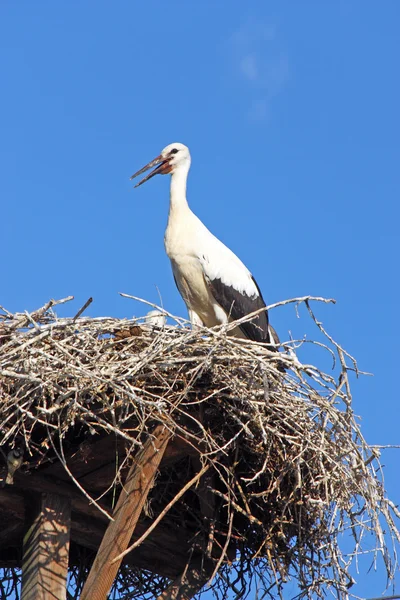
[214, 283]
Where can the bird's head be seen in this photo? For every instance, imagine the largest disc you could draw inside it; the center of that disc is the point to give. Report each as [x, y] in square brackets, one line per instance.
[173, 157]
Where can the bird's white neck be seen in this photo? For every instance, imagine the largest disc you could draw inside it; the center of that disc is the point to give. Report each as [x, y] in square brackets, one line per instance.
[178, 201]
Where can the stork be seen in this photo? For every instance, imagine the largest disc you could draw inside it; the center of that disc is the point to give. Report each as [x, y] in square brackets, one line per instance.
[214, 283]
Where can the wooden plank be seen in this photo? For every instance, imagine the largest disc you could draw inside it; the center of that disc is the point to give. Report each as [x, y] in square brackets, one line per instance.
[101, 478]
[178, 448]
[12, 501]
[38, 483]
[11, 531]
[86, 457]
[94, 463]
[45, 550]
[127, 512]
[163, 552]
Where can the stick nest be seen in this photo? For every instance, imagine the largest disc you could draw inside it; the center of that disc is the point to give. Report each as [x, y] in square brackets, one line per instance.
[289, 470]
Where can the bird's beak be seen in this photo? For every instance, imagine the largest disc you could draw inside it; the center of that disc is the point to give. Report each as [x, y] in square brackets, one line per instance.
[163, 168]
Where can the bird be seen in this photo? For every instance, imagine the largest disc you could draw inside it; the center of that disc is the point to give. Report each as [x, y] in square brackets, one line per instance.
[14, 460]
[155, 319]
[215, 285]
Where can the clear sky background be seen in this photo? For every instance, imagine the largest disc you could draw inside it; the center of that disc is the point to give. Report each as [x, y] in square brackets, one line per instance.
[291, 112]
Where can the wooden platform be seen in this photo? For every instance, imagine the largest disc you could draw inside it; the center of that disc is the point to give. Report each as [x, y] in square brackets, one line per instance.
[49, 495]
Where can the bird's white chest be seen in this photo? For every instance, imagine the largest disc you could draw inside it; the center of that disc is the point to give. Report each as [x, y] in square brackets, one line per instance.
[183, 248]
[191, 283]
[179, 239]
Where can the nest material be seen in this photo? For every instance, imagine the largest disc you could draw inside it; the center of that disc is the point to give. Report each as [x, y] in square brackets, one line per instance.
[289, 467]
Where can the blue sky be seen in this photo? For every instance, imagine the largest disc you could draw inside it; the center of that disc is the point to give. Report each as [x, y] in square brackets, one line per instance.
[291, 112]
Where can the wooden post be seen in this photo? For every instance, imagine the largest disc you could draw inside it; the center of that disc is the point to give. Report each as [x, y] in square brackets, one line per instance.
[46, 549]
[126, 514]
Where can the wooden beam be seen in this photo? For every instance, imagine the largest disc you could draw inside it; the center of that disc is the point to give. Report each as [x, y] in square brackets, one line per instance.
[12, 501]
[126, 514]
[11, 531]
[87, 457]
[160, 553]
[164, 552]
[38, 483]
[101, 478]
[94, 463]
[45, 550]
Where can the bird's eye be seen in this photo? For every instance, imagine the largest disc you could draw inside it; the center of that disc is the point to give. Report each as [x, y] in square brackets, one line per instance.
[174, 151]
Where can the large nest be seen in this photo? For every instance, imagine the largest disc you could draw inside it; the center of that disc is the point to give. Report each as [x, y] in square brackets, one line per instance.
[288, 468]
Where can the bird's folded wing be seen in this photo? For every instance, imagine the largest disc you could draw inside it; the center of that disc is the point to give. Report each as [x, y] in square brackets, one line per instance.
[238, 304]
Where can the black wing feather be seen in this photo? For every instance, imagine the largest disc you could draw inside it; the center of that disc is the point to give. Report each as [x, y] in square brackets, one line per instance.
[239, 305]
